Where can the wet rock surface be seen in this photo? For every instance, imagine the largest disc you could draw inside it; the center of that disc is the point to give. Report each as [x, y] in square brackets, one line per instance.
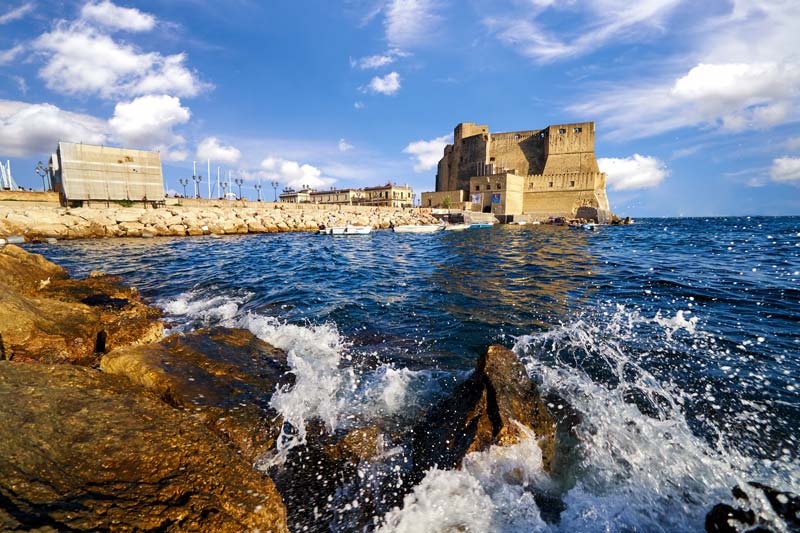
[46, 316]
[85, 450]
[484, 411]
[724, 518]
[223, 376]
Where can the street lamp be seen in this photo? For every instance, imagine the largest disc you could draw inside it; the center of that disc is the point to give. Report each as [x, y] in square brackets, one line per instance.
[197, 180]
[257, 187]
[184, 182]
[42, 172]
[275, 189]
[239, 181]
[224, 186]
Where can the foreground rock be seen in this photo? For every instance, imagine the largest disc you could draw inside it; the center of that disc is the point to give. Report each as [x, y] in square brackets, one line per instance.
[46, 316]
[224, 376]
[84, 450]
[484, 411]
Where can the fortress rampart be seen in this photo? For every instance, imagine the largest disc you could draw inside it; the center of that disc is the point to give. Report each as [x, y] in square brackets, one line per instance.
[556, 164]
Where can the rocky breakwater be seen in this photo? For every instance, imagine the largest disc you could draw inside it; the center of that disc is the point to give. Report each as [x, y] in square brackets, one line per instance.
[64, 223]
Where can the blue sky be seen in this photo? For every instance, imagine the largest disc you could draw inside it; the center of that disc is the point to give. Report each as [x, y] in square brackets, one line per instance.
[696, 103]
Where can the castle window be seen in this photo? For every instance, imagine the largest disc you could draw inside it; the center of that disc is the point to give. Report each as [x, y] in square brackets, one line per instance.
[571, 183]
[551, 183]
[562, 130]
[477, 187]
[516, 136]
[498, 185]
[491, 159]
[541, 134]
[578, 130]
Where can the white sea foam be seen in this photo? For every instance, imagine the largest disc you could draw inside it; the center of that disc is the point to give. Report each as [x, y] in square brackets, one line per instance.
[195, 306]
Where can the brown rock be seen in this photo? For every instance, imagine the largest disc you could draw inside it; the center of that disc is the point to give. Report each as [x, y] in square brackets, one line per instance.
[481, 412]
[48, 317]
[225, 376]
[84, 450]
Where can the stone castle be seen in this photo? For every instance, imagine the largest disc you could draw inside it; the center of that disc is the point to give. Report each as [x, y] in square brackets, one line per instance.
[532, 174]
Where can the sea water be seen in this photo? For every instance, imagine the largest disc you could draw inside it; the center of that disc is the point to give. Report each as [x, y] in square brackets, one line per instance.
[675, 342]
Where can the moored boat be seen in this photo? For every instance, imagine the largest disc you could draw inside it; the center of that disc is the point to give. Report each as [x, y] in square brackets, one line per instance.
[456, 227]
[481, 225]
[346, 230]
[423, 228]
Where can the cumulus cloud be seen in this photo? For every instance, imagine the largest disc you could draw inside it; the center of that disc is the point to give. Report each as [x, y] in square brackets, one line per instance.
[211, 148]
[427, 153]
[16, 13]
[635, 172]
[82, 60]
[344, 146]
[785, 170]
[409, 23]
[115, 17]
[148, 122]
[294, 174]
[387, 85]
[34, 129]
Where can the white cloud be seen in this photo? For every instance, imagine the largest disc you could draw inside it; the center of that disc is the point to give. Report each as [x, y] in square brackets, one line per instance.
[115, 17]
[387, 85]
[427, 153]
[34, 129]
[379, 60]
[732, 82]
[17, 13]
[410, 23]
[344, 146]
[9, 55]
[593, 23]
[785, 170]
[148, 122]
[358, 105]
[635, 172]
[294, 174]
[210, 148]
[82, 60]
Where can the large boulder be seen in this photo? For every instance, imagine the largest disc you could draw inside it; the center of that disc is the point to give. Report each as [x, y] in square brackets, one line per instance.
[484, 410]
[46, 316]
[224, 376]
[85, 450]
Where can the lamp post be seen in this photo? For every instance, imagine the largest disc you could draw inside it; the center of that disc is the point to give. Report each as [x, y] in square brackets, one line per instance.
[197, 180]
[42, 172]
[184, 182]
[224, 186]
[257, 187]
[239, 181]
[275, 189]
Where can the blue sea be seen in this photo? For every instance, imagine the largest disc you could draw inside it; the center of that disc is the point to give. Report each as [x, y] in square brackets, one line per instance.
[676, 341]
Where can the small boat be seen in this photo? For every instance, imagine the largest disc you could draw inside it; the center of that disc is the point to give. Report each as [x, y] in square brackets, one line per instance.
[481, 225]
[589, 227]
[536, 223]
[424, 228]
[456, 227]
[346, 230]
[519, 223]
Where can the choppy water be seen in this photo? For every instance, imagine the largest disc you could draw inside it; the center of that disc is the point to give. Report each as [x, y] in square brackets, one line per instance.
[676, 340]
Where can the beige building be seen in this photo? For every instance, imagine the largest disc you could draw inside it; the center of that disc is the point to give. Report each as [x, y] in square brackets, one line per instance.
[524, 174]
[290, 196]
[389, 195]
[338, 196]
[84, 173]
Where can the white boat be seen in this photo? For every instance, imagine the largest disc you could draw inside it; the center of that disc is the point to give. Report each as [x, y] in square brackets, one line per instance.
[346, 230]
[456, 227]
[424, 228]
[519, 223]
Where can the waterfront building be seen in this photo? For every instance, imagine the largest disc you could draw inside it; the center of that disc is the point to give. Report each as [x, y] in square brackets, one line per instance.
[291, 196]
[524, 174]
[338, 196]
[389, 195]
[84, 173]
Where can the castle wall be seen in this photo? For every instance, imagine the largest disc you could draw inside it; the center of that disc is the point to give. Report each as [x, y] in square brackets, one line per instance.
[522, 151]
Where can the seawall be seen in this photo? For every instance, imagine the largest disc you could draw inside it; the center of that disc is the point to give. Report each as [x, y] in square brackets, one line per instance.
[45, 221]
